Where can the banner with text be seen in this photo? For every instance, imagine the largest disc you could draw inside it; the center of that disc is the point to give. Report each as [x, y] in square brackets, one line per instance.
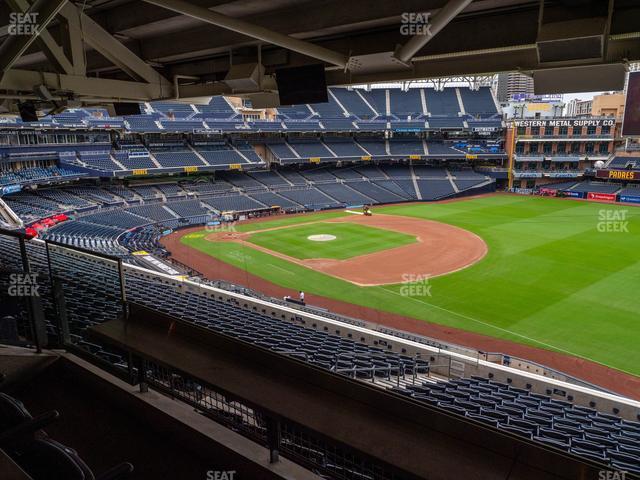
[630, 198]
[607, 197]
[618, 174]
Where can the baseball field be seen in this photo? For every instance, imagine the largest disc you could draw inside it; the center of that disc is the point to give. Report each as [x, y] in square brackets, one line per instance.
[556, 274]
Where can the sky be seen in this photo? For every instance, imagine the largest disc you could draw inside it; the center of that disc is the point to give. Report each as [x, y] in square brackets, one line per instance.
[567, 97]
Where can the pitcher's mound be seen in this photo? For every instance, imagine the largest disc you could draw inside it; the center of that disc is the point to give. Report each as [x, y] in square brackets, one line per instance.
[321, 238]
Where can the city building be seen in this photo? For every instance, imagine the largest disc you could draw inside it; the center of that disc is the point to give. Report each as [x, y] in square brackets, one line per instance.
[510, 84]
[578, 108]
[608, 105]
[544, 150]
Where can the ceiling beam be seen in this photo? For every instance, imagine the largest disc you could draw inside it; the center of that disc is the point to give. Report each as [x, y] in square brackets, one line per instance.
[253, 31]
[73, 41]
[45, 41]
[105, 44]
[14, 46]
[310, 24]
[85, 88]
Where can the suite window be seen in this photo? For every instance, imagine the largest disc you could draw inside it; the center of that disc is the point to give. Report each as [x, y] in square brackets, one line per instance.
[563, 131]
[591, 130]
[606, 130]
[535, 130]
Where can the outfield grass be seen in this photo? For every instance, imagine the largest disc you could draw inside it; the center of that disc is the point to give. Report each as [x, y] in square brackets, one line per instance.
[551, 279]
[351, 240]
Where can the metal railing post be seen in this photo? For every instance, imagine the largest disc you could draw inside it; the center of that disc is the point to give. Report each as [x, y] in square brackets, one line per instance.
[123, 293]
[36, 318]
[274, 435]
[59, 304]
[142, 375]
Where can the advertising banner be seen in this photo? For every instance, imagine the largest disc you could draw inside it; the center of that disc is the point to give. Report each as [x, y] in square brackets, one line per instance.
[574, 122]
[10, 189]
[619, 174]
[569, 193]
[607, 197]
[562, 174]
[630, 198]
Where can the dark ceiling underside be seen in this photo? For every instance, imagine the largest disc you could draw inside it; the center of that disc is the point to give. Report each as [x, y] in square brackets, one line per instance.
[488, 36]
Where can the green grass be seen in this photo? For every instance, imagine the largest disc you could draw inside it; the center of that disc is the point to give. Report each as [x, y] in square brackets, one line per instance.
[550, 278]
[351, 240]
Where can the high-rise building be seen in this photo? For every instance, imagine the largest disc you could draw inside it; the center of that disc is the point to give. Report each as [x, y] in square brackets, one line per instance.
[578, 108]
[510, 85]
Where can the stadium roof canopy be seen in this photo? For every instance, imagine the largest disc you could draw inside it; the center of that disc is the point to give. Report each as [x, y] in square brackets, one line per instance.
[105, 50]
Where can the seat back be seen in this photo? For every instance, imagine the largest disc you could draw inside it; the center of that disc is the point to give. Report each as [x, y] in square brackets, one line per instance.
[47, 459]
[12, 412]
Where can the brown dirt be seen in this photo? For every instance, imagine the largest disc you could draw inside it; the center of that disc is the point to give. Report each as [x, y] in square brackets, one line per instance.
[440, 249]
[214, 269]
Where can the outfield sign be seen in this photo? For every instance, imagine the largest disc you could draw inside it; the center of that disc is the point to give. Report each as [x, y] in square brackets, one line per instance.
[607, 197]
[566, 123]
[629, 198]
[190, 169]
[314, 159]
[470, 156]
[235, 166]
[414, 157]
[618, 174]
[140, 171]
[365, 157]
[569, 193]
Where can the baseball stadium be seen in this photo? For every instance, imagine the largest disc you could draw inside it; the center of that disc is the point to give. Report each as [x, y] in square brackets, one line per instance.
[319, 240]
